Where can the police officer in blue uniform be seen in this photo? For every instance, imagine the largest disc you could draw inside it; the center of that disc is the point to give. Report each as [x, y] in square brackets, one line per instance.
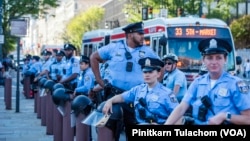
[46, 64]
[53, 56]
[153, 102]
[71, 69]
[174, 78]
[35, 67]
[124, 70]
[56, 68]
[86, 79]
[26, 66]
[216, 97]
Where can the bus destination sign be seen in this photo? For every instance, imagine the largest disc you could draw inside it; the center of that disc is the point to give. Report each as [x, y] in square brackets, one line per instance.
[197, 32]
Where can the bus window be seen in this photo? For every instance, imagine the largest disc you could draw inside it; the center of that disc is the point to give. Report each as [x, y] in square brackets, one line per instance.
[187, 52]
[147, 41]
[100, 45]
[154, 45]
[106, 39]
[90, 49]
[85, 50]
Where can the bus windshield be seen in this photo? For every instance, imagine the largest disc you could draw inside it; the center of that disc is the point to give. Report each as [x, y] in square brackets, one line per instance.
[190, 59]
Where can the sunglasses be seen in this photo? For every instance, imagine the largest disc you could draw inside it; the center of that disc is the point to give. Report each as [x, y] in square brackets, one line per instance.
[147, 71]
[168, 63]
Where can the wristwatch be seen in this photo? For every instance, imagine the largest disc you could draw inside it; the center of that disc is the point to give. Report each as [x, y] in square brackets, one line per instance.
[228, 117]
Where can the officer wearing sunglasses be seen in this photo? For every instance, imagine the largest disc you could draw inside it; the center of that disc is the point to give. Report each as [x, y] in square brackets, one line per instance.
[174, 78]
[153, 102]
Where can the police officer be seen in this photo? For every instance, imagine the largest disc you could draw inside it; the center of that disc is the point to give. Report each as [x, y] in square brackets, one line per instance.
[174, 78]
[56, 68]
[29, 57]
[124, 70]
[97, 92]
[215, 97]
[86, 79]
[71, 69]
[35, 67]
[46, 64]
[153, 102]
[26, 66]
[53, 56]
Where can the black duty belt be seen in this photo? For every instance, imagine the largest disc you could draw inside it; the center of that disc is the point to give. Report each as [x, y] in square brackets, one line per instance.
[116, 90]
[110, 91]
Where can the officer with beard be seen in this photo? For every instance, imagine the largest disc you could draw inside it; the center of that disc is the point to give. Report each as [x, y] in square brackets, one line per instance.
[71, 69]
[124, 69]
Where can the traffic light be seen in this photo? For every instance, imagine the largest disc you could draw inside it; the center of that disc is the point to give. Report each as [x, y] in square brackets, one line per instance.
[180, 12]
[150, 12]
[144, 13]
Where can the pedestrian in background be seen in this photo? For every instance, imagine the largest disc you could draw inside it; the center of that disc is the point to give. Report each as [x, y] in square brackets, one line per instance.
[124, 70]
[1, 74]
[216, 97]
[247, 69]
[153, 102]
[174, 78]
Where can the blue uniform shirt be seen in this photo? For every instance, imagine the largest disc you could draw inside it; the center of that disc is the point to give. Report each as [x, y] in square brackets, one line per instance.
[86, 81]
[160, 101]
[46, 65]
[25, 68]
[56, 68]
[229, 94]
[176, 77]
[118, 76]
[71, 66]
[36, 68]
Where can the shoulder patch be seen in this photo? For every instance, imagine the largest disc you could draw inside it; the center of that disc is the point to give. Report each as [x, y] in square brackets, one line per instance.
[173, 98]
[243, 87]
[86, 78]
[141, 54]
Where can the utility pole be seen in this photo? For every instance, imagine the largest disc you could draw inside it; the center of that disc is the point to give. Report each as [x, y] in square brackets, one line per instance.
[200, 8]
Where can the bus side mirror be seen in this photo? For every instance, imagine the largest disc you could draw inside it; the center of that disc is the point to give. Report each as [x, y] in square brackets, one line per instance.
[238, 60]
[163, 40]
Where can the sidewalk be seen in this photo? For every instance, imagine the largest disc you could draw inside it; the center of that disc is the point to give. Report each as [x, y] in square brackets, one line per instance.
[23, 125]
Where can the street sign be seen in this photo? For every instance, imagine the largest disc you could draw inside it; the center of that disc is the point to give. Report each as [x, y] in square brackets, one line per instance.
[18, 27]
[1, 39]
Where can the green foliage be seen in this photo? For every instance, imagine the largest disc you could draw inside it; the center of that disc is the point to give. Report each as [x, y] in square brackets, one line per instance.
[191, 7]
[14, 9]
[81, 23]
[241, 31]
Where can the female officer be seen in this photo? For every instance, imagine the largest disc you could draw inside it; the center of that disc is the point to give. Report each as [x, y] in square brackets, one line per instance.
[86, 79]
[152, 101]
[215, 97]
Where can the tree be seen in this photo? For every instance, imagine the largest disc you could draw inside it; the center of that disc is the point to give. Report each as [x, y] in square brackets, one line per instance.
[81, 23]
[14, 9]
[223, 9]
[241, 32]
